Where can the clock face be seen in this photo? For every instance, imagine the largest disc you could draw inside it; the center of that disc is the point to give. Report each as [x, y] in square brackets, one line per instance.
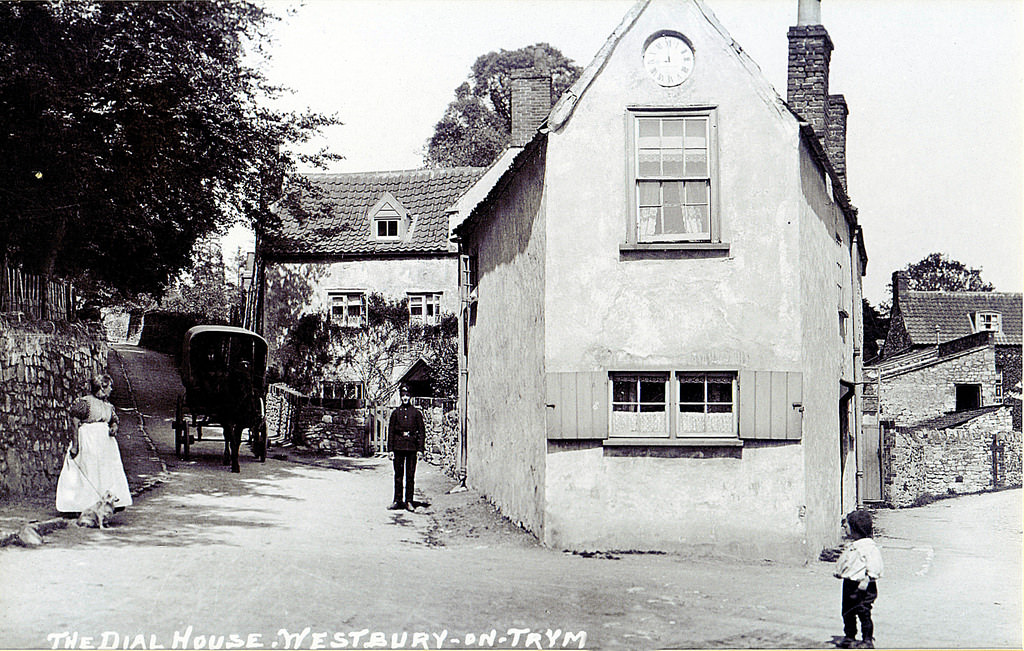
[668, 60]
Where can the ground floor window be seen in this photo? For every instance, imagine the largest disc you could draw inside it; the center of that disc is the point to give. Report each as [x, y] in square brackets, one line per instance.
[968, 396]
[706, 405]
[674, 404]
[639, 404]
[341, 395]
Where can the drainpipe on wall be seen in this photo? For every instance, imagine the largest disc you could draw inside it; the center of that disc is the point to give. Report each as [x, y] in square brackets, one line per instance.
[857, 330]
[463, 356]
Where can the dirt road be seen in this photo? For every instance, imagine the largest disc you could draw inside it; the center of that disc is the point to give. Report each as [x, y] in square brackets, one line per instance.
[289, 555]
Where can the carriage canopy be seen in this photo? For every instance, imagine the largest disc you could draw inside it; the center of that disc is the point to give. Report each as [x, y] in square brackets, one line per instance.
[213, 351]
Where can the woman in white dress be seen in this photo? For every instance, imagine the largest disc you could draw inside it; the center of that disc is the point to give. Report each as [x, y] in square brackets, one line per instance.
[92, 465]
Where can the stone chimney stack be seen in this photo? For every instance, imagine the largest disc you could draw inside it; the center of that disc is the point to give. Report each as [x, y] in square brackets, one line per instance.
[810, 53]
[531, 103]
[900, 285]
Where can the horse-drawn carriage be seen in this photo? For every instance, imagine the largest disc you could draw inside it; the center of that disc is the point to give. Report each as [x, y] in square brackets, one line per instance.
[223, 370]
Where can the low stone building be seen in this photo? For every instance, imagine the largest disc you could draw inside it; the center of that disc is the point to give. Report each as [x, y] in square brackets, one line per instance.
[948, 357]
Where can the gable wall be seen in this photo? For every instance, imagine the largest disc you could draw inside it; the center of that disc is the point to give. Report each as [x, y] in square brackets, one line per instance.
[606, 310]
[897, 338]
[741, 311]
[917, 395]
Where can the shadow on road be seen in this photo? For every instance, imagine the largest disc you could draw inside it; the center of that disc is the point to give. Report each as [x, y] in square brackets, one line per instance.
[201, 504]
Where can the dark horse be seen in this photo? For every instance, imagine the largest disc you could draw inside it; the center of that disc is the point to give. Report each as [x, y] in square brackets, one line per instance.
[239, 409]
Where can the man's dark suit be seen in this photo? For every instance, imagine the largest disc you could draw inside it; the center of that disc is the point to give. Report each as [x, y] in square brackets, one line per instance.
[406, 437]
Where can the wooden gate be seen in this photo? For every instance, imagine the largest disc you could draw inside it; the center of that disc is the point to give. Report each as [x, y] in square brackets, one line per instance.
[380, 414]
[871, 489]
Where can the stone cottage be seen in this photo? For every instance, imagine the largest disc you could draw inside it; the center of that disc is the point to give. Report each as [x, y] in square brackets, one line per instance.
[662, 336]
[984, 325]
[947, 354]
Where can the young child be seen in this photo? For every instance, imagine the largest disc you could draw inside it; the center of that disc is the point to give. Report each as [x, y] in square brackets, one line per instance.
[859, 566]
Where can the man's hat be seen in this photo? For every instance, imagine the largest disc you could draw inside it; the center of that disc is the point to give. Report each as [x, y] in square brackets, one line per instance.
[404, 389]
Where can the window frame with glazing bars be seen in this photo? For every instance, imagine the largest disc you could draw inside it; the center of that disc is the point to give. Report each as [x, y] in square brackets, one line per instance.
[671, 399]
[988, 322]
[387, 223]
[345, 318]
[672, 174]
[424, 300]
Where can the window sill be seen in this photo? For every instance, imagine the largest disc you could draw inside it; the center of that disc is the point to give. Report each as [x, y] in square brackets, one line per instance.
[674, 249]
[674, 443]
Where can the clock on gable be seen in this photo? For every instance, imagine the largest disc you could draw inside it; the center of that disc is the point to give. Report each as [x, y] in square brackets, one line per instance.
[668, 59]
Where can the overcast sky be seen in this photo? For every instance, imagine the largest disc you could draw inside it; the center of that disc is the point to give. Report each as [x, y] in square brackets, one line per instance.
[934, 89]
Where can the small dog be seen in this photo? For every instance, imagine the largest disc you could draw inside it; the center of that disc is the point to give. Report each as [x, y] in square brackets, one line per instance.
[29, 536]
[99, 514]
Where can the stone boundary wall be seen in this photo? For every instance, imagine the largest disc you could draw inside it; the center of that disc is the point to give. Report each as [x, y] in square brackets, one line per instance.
[282, 411]
[122, 326]
[44, 366]
[335, 431]
[1009, 452]
[982, 454]
[442, 439]
[347, 431]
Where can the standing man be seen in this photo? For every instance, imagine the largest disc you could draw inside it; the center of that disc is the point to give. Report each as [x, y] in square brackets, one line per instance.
[406, 437]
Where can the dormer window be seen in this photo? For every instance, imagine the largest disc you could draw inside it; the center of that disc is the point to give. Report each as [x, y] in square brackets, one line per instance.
[987, 321]
[387, 229]
[389, 220]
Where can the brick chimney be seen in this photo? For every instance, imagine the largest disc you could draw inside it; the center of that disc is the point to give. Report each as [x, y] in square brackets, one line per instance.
[835, 143]
[810, 53]
[531, 103]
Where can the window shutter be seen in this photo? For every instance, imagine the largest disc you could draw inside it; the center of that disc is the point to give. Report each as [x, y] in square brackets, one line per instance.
[577, 405]
[767, 400]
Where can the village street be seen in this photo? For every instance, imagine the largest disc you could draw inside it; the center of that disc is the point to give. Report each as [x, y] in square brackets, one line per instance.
[297, 552]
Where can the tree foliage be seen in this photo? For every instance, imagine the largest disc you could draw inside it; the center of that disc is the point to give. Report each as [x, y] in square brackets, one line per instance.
[876, 327]
[308, 349]
[132, 130]
[477, 124]
[202, 288]
[937, 272]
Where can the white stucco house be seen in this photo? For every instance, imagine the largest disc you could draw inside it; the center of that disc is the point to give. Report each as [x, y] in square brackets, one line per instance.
[662, 299]
[341, 238]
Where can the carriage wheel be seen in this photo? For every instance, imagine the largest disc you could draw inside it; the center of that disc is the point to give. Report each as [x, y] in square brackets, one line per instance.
[186, 441]
[179, 426]
[259, 441]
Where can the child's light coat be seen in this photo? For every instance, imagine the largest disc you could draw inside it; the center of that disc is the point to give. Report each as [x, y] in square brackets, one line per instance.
[860, 560]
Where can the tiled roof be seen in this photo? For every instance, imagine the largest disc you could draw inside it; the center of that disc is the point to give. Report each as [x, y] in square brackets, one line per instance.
[954, 419]
[951, 312]
[332, 218]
